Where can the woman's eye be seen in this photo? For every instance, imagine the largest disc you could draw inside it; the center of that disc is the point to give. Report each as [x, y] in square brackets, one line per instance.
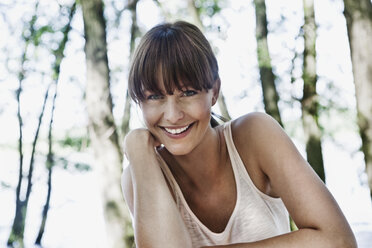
[154, 97]
[189, 92]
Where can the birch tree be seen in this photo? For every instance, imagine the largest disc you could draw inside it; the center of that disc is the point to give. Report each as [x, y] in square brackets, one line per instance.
[195, 13]
[359, 26]
[102, 129]
[59, 55]
[310, 99]
[22, 199]
[270, 94]
[134, 33]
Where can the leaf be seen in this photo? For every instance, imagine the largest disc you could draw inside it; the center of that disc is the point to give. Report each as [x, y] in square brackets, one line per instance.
[82, 167]
[77, 143]
[5, 185]
[40, 32]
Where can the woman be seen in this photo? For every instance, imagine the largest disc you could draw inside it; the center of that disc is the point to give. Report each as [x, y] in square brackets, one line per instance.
[192, 183]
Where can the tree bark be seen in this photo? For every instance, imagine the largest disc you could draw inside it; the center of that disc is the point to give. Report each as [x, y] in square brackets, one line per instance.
[195, 15]
[126, 117]
[58, 54]
[223, 107]
[197, 21]
[358, 16]
[50, 162]
[102, 128]
[134, 33]
[16, 234]
[310, 101]
[270, 94]
[18, 226]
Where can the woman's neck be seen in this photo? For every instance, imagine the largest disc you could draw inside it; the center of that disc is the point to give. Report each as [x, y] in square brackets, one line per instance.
[201, 168]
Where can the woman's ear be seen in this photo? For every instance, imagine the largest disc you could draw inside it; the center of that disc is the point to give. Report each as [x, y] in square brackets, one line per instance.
[216, 91]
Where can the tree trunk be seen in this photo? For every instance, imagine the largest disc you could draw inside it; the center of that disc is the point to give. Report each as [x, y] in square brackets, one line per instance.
[58, 54]
[18, 226]
[270, 94]
[197, 21]
[309, 101]
[50, 162]
[134, 33]
[194, 13]
[359, 25]
[16, 234]
[126, 117]
[102, 128]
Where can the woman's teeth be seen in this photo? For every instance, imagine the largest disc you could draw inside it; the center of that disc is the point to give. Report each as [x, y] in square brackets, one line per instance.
[176, 130]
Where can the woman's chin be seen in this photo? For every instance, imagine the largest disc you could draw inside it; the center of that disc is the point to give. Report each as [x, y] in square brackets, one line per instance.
[177, 150]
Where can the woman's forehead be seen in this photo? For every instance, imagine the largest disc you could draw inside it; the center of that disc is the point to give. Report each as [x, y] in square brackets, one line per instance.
[169, 88]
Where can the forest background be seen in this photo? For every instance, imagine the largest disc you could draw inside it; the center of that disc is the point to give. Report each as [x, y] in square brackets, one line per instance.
[64, 109]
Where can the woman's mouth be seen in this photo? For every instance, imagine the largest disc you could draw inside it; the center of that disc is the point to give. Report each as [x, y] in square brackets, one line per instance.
[177, 131]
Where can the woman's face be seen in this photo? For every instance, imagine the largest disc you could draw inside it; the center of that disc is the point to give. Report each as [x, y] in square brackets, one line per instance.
[179, 121]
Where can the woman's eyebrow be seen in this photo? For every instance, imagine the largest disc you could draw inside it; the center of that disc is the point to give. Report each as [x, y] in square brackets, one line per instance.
[146, 92]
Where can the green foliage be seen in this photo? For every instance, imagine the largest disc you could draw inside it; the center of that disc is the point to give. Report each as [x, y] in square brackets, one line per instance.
[77, 143]
[208, 7]
[71, 165]
[5, 185]
[36, 38]
[29, 29]
[82, 167]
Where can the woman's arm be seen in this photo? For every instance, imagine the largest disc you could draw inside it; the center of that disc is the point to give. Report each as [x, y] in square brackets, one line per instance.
[319, 219]
[157, 222]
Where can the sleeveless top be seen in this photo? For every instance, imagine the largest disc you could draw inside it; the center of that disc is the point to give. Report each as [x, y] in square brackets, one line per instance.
[256, 216]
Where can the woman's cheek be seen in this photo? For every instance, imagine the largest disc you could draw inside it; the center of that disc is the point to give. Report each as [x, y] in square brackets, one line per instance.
[202, 108]
[150, 114]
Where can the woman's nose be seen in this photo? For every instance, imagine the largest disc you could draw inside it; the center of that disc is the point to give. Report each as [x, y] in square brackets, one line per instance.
[173, 111]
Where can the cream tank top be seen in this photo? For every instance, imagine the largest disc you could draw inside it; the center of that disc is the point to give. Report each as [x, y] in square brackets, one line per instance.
[256, 216]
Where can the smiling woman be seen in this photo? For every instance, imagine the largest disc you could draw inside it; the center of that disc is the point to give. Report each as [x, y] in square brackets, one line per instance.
[179, 120]
[192, 184]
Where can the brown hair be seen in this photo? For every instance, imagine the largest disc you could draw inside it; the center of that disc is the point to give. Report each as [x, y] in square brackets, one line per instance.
[179, 54]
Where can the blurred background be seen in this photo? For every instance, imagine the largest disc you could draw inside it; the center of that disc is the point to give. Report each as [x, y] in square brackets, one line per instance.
[64, 108]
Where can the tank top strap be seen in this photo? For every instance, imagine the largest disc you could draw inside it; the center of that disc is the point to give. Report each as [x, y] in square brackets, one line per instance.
[238, 163]
[236, 160]
[169, 176]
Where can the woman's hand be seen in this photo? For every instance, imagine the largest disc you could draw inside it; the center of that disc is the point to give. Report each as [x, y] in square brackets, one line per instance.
[139, 141]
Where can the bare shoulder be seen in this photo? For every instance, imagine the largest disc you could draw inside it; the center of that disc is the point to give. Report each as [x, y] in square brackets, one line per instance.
[267, 152]
[252, 136]
[127, 187]
[255, 132]
[261, 136]
[252, 123]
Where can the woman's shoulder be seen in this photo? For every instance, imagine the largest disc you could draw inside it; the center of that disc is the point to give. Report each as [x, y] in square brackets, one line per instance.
[256, 134]
[251, 137]
[252, 125]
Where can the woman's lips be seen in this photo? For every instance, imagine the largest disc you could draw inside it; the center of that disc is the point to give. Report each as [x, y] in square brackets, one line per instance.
[178, 132]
